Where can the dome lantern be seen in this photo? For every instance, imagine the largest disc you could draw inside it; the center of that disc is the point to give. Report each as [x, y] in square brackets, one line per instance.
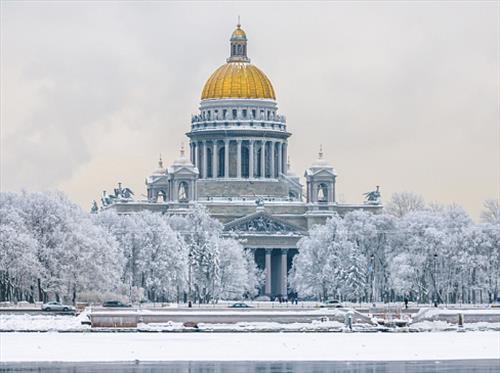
[238, 41]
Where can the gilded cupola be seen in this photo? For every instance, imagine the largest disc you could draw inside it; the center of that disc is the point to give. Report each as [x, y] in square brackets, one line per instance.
[238, 78]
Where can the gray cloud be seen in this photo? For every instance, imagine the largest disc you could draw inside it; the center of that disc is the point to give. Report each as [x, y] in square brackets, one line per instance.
[404, 95]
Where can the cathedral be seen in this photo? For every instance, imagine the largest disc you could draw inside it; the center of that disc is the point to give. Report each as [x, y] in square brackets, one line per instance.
[237, 167]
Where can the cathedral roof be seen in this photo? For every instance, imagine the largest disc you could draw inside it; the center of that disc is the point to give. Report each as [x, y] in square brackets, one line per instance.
[238, 78]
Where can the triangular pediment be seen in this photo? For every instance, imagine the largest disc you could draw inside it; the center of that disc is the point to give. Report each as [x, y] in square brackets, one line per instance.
[263, 223]
[183, 170]
[321, 173]
[159, 180]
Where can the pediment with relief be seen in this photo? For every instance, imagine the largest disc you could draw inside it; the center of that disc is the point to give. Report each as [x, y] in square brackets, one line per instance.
[262, 223]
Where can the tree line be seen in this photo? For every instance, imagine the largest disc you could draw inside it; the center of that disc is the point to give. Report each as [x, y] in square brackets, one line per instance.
[51, 249]
[424, 253]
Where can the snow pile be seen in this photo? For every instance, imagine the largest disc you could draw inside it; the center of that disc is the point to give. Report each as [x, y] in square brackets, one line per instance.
[42, 323]
[442, 326]
[248, 326]
[474, 315]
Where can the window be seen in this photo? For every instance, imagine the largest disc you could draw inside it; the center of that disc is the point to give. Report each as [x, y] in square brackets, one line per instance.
[222, 155]
[244, 113]
[224, 113]
[253, 113]
[245, 162]
[235, 113]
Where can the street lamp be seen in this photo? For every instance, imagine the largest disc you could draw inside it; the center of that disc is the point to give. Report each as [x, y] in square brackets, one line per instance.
[372, 270]
[435, 281]
[190, 256]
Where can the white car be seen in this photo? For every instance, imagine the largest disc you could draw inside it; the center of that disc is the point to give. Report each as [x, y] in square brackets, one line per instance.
[56, 306]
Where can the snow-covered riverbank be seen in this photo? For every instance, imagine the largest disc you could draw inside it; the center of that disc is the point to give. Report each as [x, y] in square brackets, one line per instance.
[248, 347]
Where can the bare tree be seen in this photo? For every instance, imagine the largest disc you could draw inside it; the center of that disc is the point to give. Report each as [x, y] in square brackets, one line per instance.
[491, 212]
[403, 203]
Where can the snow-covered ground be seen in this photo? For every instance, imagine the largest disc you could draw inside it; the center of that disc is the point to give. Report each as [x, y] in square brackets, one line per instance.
[250, 326]
[248, 347]
[45, 323]
[42, 323]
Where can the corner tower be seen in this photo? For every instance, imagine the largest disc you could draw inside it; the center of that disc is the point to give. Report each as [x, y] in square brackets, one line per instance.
[238, 139]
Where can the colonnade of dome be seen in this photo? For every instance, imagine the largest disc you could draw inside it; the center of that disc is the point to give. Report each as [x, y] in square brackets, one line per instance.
[239, 157]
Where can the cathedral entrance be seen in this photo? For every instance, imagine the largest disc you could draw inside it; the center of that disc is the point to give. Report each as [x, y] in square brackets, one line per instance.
[275, 263]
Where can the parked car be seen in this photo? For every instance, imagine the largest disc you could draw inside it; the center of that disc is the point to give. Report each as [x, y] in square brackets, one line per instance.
[332, 304]
[240, 305]
[56, 306]
[115, 304]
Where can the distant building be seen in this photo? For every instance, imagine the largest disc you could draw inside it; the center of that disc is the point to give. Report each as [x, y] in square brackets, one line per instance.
[237, 167]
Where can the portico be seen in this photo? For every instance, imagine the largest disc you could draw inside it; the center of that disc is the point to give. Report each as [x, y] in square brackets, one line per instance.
[273, 243]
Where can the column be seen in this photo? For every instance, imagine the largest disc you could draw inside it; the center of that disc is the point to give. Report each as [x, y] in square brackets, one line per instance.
[191, 152]
[196, 150]
[284, 285]
[272, 160]
[226, 158]
[215, 160]
[238, 159]
[204, 161]
[285, 158]
[263, 159]
[250, 159]
[267, 289]
[280, 160]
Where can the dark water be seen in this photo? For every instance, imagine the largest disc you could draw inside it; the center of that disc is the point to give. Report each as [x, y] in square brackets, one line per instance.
[454, 366]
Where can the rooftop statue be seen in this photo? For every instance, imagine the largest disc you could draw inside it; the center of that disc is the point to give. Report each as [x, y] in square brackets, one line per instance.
[373, 197]
[94, 207]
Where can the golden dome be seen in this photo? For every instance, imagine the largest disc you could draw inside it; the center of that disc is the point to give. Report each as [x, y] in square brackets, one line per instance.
[238, 80]
[238, 33]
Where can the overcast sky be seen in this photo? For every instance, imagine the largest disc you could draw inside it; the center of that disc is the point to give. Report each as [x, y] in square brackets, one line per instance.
[401, 95]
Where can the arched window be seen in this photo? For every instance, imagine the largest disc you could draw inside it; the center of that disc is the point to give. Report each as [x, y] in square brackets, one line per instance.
[222, 157]
[183, 193]
[245, 162]
[234, 49]
[322, 195]
[162, 195]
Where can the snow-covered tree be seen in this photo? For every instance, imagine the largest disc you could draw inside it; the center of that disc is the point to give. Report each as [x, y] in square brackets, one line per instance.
[64, 252]
[218, 266]
[156, 256]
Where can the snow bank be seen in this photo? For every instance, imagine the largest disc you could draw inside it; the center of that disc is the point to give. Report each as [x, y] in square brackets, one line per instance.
[248, 326]
[42, 323]
[451, 315]
[439, 325]
[247, 346]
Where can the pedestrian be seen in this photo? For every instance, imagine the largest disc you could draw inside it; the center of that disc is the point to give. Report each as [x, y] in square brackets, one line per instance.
[406, 303]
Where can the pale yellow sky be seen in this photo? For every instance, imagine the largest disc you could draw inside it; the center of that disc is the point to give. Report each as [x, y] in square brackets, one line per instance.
[401, 94]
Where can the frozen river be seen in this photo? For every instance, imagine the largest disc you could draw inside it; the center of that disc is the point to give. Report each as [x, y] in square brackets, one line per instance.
[455, 366]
